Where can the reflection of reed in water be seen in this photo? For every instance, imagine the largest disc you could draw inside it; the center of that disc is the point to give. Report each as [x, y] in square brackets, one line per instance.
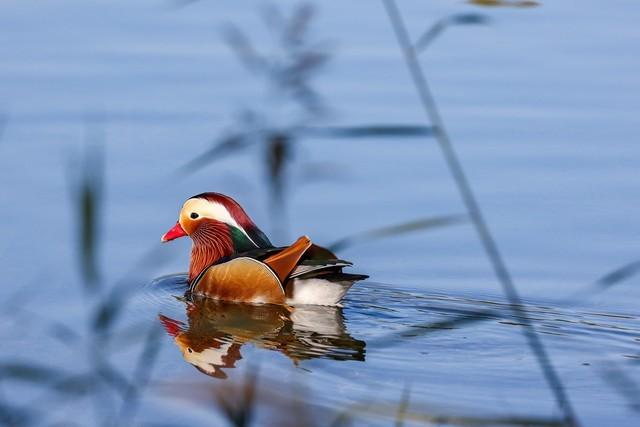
[217, 330]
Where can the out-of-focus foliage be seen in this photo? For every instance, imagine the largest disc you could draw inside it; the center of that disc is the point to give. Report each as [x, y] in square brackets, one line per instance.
[397, 229]
[288, 71]
[119, 393]
[436, 29]
[87, 186]
[505, 3]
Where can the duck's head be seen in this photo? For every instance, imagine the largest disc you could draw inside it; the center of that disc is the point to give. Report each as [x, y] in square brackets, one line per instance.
[219, 228]
[207, 353]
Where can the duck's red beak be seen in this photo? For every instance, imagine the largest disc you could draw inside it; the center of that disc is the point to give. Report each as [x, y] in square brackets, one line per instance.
[174, 233]
[173, 327]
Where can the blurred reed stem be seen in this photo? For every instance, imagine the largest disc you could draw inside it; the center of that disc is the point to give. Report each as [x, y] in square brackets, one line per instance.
[475, 213]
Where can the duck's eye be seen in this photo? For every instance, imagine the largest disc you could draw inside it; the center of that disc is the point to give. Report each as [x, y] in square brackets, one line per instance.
[189, 350]
[194, 215]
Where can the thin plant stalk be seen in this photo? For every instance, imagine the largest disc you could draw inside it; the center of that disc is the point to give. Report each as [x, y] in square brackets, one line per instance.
[486, 238]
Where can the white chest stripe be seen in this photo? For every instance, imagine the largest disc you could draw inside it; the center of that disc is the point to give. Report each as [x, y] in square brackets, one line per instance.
[219, 212]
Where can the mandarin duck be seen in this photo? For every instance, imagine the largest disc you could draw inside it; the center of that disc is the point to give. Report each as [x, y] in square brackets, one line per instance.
[233, 260]
[217, 330]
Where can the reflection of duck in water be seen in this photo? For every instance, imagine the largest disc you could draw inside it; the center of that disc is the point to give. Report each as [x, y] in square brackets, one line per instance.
[233, 260]
[217, 330]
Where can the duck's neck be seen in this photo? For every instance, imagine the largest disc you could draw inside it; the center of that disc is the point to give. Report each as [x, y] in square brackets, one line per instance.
[212, 241]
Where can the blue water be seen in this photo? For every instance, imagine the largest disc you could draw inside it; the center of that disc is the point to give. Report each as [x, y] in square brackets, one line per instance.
[541, 104]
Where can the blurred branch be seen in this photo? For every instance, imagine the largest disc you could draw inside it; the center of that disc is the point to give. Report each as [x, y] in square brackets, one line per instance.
[397, 229]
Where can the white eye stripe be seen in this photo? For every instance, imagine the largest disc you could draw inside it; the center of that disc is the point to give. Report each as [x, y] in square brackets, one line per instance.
[218, 212]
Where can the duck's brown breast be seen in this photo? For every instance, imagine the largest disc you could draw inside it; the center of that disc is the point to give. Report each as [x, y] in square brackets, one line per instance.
[242, 280]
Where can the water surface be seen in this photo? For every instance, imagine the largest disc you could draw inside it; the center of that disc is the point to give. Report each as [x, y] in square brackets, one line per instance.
[541, 103]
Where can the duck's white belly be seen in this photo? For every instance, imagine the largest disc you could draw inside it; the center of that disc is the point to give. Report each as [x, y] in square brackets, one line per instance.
[316, 291]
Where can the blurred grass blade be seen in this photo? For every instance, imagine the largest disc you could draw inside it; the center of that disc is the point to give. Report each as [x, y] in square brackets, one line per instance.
[469, 19]
[63, 333]
[369, 131]
[239, 410]
[17, 417]
[87, 191]
[505, 3]
[108, 310]
[141, 376]
[607, 281]
[242, 47]
[619, 275]
[88, 207]
[289, 72]
[111, 377]
[403, 406]
[486, 238]
[75, 385]
[626, 386]
[29, 372]
[394, 230]
[223, 147]
[3, 125]
[433, 418]
[295, 31]
[430, 35]
[344, 418]
[272, 16]
[277, 154]
[182, 3]
[436, 29]
[419, 330]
